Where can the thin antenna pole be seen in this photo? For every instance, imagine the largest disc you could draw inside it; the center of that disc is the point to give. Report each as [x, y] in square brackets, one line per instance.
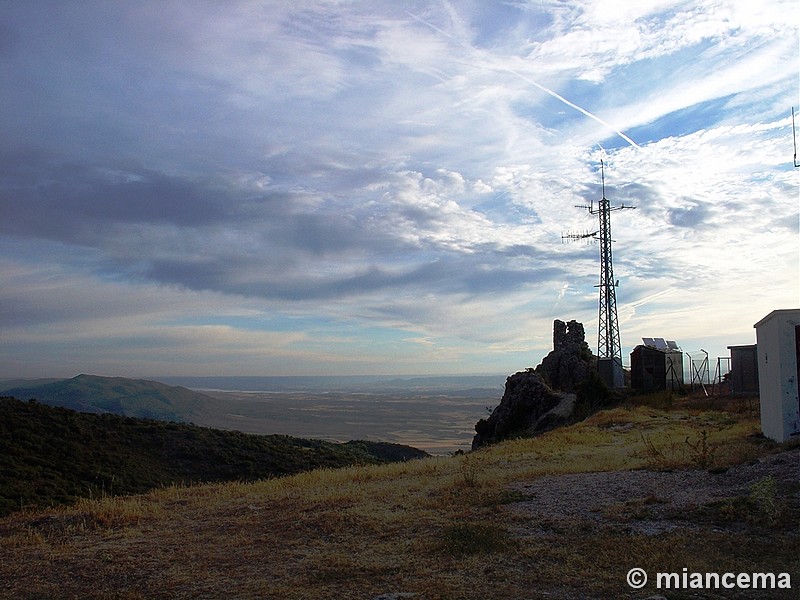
[603, 169]
[794, 141]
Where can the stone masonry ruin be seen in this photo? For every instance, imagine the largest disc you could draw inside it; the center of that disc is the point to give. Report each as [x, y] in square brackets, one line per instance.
[570, 362]
[536, 400]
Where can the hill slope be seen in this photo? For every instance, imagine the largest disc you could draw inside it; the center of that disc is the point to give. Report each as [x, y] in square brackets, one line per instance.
[52, 455]
[128, 397]
[564, 515]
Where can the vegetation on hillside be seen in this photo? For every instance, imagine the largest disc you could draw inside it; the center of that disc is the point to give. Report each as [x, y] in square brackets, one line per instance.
[51, 455]
[118, 395]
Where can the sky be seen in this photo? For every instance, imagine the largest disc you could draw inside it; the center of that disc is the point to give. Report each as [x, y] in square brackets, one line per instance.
[381, 187]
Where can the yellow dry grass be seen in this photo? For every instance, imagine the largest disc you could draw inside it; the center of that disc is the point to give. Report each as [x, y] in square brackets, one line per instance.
[438, 528]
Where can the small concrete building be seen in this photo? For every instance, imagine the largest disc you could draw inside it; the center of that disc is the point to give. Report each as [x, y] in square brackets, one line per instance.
[778, 339]
[656, 365]
[744, 369]
[611, 372]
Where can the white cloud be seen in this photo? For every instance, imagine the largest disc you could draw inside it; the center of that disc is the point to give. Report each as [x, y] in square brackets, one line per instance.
[370, 186]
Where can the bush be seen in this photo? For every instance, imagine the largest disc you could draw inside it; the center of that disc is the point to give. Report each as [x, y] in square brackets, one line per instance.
[591, 395]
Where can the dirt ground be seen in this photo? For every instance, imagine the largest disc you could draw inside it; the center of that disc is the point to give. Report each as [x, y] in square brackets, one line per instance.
[654, 502]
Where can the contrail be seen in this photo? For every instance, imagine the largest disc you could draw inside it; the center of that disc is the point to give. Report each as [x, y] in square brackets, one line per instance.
[575, 106]
[651, 298]
[431, 25]
[536, 84]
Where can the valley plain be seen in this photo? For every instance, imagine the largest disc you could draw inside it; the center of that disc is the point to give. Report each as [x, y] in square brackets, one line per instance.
[438, 423]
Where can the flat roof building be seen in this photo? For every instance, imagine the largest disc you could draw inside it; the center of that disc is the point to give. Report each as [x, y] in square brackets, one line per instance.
[778, 339]
[656, 365]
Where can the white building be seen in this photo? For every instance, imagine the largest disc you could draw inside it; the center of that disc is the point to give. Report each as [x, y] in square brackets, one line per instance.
[778, 338]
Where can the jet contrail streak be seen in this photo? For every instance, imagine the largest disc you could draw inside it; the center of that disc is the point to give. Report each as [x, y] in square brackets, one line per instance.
[546, 90]
[651, 298]
[431, 25]
[575, 106]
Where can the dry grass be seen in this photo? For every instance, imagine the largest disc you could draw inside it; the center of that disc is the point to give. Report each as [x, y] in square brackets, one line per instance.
[439, 528]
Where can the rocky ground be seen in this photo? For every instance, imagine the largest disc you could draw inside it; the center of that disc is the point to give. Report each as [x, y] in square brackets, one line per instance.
[653, 502]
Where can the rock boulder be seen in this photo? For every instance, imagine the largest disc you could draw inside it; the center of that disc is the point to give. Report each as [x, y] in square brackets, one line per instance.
[526, 404]
[539, 399]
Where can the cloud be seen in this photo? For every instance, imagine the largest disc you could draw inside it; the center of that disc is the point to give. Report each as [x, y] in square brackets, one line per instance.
[223, 236]
[352, 178]
[692, 216]
[67, 198]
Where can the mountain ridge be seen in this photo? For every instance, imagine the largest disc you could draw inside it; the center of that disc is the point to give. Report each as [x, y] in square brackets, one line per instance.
[140, 398]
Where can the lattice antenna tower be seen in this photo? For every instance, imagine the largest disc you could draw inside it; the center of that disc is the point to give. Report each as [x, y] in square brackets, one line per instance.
[608, 343]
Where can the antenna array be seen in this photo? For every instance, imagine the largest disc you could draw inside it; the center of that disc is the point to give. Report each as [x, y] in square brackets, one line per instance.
[587, 237]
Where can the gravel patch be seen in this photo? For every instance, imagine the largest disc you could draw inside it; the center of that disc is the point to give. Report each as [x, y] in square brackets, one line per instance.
[641, 501]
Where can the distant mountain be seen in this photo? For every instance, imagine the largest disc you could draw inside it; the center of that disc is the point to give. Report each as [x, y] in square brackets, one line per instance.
[51, 455]
[127, 397]
[7, 384]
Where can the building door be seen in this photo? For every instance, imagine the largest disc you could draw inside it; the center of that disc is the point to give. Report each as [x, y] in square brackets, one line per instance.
[797, 364]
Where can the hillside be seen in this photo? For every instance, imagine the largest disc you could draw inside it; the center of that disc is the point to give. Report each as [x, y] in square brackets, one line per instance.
[51, 455]
[433, 414]
[121, 396]
[656, 484]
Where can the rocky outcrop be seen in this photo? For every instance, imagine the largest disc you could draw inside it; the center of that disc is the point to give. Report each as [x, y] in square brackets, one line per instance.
[569, 364]
[528, 405]
[539, 399]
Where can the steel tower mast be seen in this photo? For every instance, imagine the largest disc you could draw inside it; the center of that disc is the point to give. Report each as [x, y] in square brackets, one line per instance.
[609, 349]
[608, 344]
